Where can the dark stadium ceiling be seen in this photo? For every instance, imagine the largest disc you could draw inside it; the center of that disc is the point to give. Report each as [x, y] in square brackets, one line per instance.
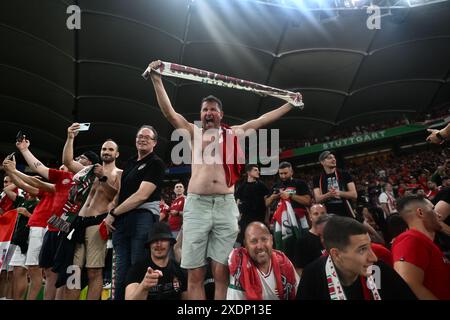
[347, 73]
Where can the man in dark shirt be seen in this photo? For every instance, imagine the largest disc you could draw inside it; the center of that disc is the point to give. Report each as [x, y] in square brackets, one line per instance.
[351, 271]
[157, 277]
[309, 246]
[295, 193]
[250, 196]
[295, 190]
[334, 188]
[139, 196]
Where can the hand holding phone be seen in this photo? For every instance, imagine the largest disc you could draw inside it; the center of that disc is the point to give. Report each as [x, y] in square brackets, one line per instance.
[20, 136]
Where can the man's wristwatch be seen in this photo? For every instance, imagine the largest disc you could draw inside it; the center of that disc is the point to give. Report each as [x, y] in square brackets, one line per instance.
[103, 179]
[111, 212]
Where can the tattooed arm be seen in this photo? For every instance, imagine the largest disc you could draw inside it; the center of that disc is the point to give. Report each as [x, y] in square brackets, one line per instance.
[32, 161]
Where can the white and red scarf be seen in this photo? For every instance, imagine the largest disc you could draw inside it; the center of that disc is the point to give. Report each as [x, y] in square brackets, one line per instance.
[246, 277]
[336, 290]
[194, 74]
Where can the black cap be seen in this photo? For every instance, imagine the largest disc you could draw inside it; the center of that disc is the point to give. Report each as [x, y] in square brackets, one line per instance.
[324, 155]
[92, 156]
[160, 231]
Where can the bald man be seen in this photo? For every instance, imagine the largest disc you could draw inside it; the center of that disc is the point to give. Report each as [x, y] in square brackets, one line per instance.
[417, 259]
[259, 272]
[309, 246]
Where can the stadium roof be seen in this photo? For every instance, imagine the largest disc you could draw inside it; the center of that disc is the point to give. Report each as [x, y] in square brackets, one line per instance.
[347, 73]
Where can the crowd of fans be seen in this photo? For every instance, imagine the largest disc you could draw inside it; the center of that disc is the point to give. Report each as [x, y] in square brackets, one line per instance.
[341, 133]
[375, 190]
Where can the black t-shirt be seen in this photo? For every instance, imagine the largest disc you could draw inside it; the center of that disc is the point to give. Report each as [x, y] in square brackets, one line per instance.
[339, 180]
[313, 284]
[296, 186]
[308, 248]
[170, 285]
[150, 169]
[21, 231]
[251, 196]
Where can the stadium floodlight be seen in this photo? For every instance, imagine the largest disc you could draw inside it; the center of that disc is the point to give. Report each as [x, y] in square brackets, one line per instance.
[419, 3]
[341, 5]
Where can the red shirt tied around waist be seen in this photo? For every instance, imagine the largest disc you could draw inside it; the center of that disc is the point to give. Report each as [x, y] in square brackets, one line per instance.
[63, 182]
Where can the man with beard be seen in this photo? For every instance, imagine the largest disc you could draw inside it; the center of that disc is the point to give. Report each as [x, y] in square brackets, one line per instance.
[334, 188]
[294, 190]
[210, 220]
[43, 236]
[90, 251]
[293, 199]
[417, 259]
[258, 272]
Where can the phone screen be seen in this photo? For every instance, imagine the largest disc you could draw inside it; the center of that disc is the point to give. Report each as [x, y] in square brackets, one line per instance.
[84, 126]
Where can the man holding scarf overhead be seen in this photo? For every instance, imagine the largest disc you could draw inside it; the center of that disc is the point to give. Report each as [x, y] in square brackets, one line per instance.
[210, 213]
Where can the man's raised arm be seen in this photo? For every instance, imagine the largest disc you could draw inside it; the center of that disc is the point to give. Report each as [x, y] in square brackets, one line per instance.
[67, 156]
[32, 161]
[176, 119]
[31, 185]
[266, 118]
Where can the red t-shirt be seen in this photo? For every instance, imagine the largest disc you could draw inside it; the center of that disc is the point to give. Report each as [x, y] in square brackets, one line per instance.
[416, 248]
[63, 182]
[6, 203]
[43, 210]
[431, 193]
[175, 222]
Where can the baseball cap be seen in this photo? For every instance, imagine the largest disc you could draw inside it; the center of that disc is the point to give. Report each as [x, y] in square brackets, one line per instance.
[324, 155]
[92, 156]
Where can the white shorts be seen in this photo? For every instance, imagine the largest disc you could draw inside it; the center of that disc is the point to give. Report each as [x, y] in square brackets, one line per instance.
[18, 258]
[34, 245]
[6, 266]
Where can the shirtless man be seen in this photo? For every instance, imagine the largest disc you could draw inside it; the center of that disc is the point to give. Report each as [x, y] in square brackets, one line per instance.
[210, 219]
[100, 200]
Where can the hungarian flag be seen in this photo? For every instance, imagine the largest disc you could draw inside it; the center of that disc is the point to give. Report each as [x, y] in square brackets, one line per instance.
[286, 227]
[7, 225]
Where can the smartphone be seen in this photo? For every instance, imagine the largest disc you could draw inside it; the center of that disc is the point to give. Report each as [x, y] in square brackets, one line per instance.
[10, 157]
[20, 136]
[84, 126]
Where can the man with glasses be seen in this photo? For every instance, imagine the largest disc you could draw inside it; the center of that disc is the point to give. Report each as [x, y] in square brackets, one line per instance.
[138, 205]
